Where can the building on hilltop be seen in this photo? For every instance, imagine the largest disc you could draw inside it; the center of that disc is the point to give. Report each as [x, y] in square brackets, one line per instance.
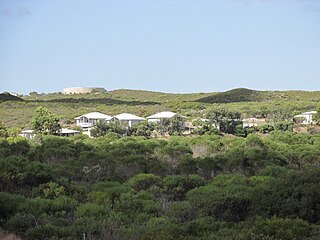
[83, 90]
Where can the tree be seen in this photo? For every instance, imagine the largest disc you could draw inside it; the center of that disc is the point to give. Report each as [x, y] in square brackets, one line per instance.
[316, 117]
[18, 172]
[204, 127]
[51, 190]
[142, 129]
[283, 126]
[226, 121]
[19, 146]
[34, 93]
[3, 131]
[102, 128]
[144, 181]
[45, 121]
[163, 126]
[266, 128]
[177, 186]
[226, 198]
[175, 125]
[181, 211]
[281, 228]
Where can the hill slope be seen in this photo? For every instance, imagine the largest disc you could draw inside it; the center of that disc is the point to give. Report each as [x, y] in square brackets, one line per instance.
[234, 95]
[248, 95]
[17, 112]
[8, 97]
[231, 96]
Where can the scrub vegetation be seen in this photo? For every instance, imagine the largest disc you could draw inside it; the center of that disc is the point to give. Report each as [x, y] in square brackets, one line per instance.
[244, 184]
[207, 187]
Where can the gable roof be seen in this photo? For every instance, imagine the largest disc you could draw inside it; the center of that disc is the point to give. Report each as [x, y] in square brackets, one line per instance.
[309, 113]
[95, 115]
[162, 115]
[128, 116]
[27, 131]
[68, 131]
[305, 113]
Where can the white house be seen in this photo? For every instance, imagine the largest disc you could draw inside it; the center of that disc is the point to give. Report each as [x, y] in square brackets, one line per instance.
[161, 115]
[29, 134]
[307, 116]
[128, 118]
[90, 119]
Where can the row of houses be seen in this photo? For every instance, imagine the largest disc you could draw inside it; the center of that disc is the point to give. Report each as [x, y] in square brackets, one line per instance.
[305, 118]
[88, 120]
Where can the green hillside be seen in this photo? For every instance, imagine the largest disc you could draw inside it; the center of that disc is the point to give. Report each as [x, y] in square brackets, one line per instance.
[8, 97]
[230, 96]
[124, 94]
[17, 112]
[235, 95]
[248, 95]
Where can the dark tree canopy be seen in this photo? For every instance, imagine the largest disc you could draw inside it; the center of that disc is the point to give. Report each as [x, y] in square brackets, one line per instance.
[45, 121]
[103, 127]
[3, 131]
[172, 126]
[226, 121]
[207, 187]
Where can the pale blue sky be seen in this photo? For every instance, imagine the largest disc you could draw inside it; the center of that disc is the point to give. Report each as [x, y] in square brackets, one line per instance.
[161, 45]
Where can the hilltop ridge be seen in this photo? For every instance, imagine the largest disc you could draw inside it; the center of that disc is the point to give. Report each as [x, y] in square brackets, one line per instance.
[9, 97]
[229, 96]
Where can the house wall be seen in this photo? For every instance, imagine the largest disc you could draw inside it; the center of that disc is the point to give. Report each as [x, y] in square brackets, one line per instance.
[87, 122]
[131, 123]
[155, 120]
[27, 135]
[308, 119]
[134, 122]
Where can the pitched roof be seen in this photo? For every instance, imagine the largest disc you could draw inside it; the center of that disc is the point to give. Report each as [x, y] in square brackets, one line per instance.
[308, 113]
[305, 113]
[27, 131]
[95, 115]
[67, 131]
[128, 116]
[162, 115]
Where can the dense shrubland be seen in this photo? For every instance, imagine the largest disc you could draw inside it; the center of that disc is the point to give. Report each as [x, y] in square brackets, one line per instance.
[261, 183]
[206, 187]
